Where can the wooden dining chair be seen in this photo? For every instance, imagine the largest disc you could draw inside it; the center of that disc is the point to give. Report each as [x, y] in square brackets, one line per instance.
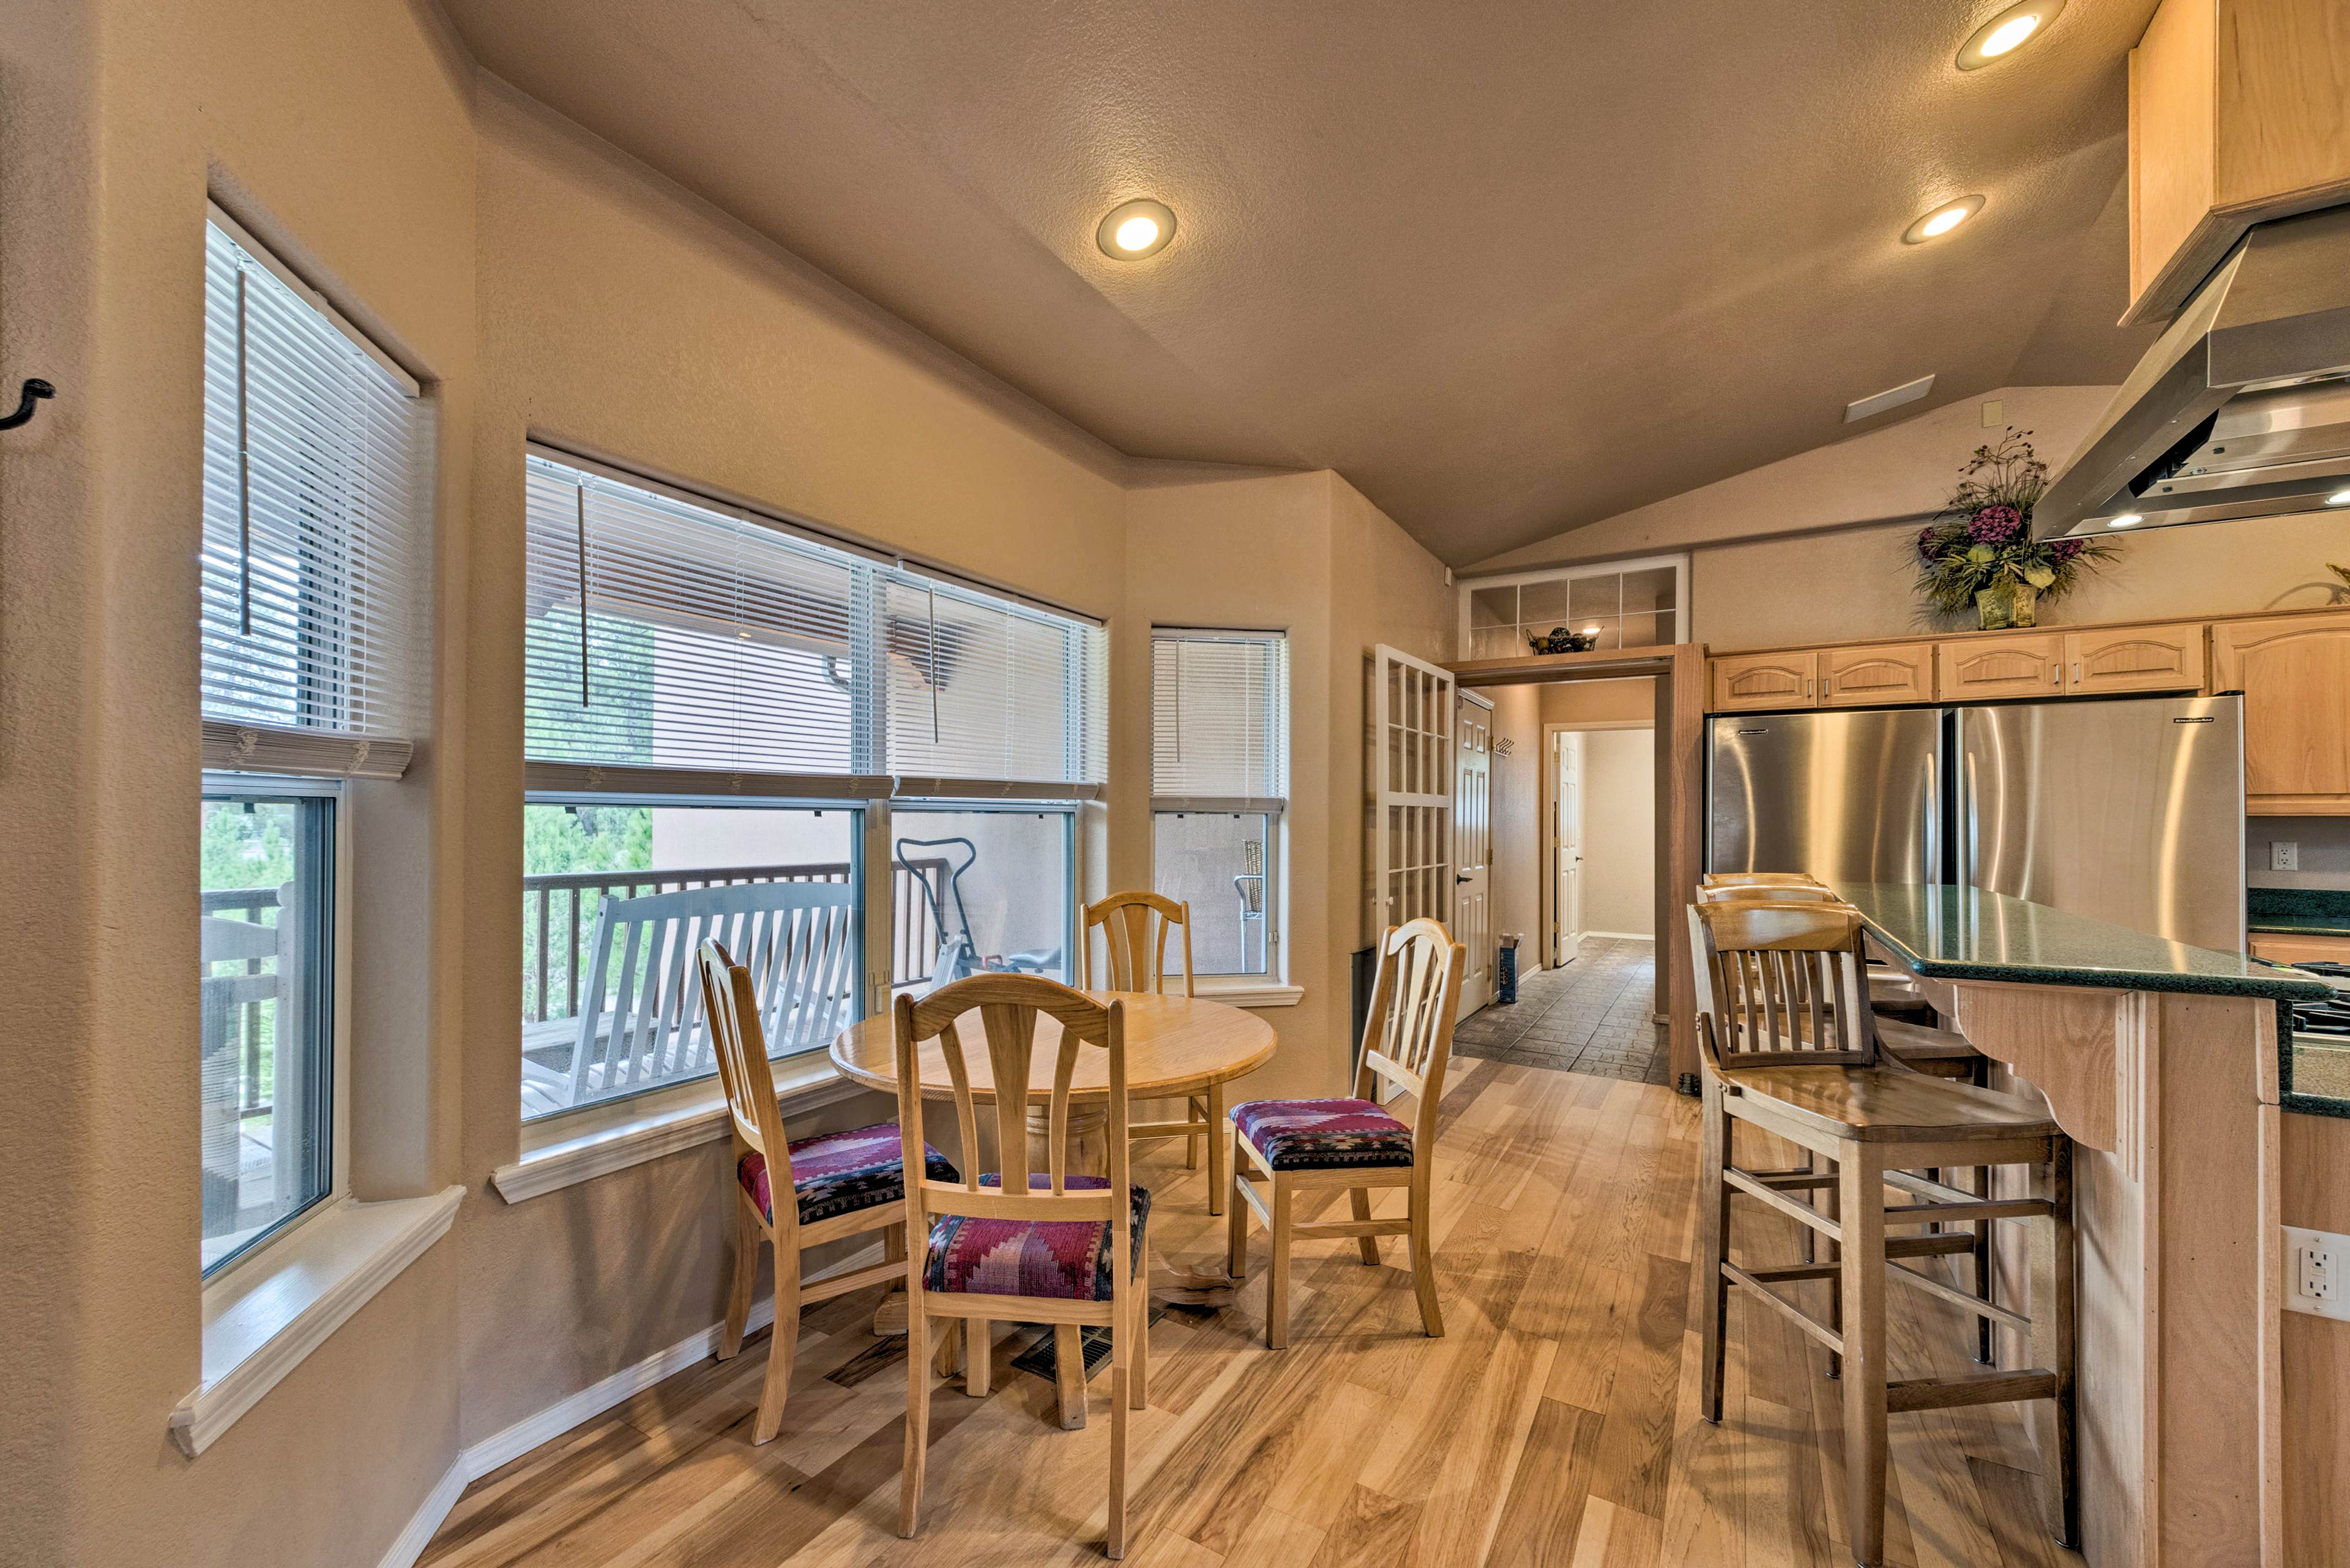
[1787, 1047]
[840, 1184]
[1313, 1145]
[1016, 1243]
[1136, 928]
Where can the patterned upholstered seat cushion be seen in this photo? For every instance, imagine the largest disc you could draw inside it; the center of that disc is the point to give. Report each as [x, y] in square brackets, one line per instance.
[839, 1173]
[1322, 1135]
[1069, 1258]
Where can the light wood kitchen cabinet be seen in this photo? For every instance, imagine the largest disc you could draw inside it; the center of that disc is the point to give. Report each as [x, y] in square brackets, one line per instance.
[1991, 666]
[1743, 681]
[2283, 946]
[1873, 677]
[2237, 114]
[2136, 658]
[2294, 674]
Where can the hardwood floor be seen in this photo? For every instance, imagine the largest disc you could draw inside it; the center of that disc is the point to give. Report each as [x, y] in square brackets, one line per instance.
[1556, 1424]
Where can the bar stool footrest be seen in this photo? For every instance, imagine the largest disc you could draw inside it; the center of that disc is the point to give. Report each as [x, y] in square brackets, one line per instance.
[1976, 1389]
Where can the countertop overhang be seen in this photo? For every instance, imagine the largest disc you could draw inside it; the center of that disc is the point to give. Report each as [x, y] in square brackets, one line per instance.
[1948, 932]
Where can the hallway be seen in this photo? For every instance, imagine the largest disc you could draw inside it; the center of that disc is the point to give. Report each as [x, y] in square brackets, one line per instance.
[1596, 1016]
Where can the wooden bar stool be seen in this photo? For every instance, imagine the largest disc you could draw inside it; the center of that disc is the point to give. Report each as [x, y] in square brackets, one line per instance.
[1135, 929]
[1788, 1048]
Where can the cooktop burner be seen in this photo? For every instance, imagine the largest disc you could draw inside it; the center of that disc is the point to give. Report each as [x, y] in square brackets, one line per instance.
[2331, 1017]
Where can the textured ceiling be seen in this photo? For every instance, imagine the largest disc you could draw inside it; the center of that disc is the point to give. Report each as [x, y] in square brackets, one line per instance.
[1509, 266]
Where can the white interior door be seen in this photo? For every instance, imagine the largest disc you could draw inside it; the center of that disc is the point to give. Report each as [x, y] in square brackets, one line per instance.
[1473, 837]
[1566, 836]
[1410, 776]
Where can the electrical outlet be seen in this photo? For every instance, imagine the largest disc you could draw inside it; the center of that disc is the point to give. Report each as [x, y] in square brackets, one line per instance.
[2285, 855]
[2314, 1262]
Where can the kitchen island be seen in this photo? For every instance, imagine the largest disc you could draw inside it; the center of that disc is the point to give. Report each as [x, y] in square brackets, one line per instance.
[2161, 1061]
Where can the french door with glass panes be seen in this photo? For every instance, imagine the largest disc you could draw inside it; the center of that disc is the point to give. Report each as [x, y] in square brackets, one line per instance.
[1472, 847]
[1411, 792]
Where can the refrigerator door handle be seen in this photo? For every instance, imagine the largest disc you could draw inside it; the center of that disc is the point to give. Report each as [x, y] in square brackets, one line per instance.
[1932, 816]
[1962, 822]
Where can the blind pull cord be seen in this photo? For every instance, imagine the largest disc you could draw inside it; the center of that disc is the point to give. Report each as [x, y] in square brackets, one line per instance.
[581, 493]
[244, 479]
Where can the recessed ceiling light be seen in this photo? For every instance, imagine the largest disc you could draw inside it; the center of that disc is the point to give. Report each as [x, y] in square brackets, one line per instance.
[2339, 498]
[1136, 229]
[2127, 520]
[1942, 220]
[2006, 33]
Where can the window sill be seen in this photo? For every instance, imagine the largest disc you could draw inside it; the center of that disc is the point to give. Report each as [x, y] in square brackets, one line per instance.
[1247, 991]
[563, 1151]
[263, 1318]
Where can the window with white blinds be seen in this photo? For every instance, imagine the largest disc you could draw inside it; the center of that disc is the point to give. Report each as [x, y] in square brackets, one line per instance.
[686, 647]
[316, 496]
[1219, 720]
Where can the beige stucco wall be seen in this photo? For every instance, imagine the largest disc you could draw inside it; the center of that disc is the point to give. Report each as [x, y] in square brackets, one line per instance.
[542, 286]
[1619, 829]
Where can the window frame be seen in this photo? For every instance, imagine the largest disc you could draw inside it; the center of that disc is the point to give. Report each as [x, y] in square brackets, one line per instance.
[1679, 562]
[1274, 808]
[336, 1057]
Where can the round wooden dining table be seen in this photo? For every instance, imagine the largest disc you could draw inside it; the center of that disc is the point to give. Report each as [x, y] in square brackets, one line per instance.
[1176, 1046]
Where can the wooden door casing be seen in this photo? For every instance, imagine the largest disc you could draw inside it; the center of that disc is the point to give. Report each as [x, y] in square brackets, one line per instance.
[2295, 678]
[1989, 666]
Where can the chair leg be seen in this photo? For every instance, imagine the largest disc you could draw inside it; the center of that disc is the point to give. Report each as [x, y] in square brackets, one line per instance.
[1361, 1197]
[1194, 1111]
[1236, 1221]
[1121, 1349]
[1836, 1296]
[777, 1386]
[1069, 1373]
[748, 1234]
[1276, 1279]
[978, 1355]
[1141, 1307]
[917, 1418]
[1712, 1248]
[2068, 1478]
[951, 1331]
[1221, 1153]
[1986, 1337]
[1423, 1253]
[1861, 1200]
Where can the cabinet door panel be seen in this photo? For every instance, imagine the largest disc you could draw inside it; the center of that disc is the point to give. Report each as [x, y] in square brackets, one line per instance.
[2278, 947]
[1876, 677]
[1985, 667]
[2136, 658]
[1751, 680]
[2295, 678]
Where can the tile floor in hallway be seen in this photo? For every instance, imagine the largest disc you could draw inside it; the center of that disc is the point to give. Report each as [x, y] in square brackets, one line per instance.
[1593, 1015]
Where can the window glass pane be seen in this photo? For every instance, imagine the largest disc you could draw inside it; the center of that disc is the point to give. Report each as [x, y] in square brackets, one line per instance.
[1493, 607]
[1591, 599]
[1604, 633]
[1647, 631]
[1498, 642]
[992, 888]
[615, 898]
[1543, 605]
[1651, 588]
[266, 1093]
[1217, 862]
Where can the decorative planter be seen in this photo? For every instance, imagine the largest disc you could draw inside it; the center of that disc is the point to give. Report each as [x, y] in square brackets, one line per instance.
[2003, 604]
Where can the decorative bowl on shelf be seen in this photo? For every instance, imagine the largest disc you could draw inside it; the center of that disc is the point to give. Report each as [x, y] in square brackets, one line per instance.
[1559, 640]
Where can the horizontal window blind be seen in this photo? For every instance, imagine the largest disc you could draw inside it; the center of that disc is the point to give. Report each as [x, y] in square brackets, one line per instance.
[1219, 718]
[716, 652]
[316, 496]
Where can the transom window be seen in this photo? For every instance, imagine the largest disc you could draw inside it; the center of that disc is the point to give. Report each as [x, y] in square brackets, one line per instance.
[1622, 603]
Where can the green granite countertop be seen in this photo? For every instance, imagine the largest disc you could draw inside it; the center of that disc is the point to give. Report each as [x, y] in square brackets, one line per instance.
[1964, 933]
[2298, 911]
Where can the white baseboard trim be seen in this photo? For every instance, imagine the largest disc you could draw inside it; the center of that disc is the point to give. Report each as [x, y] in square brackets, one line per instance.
[557, 1419]
[1624, 935]
[424, 1524]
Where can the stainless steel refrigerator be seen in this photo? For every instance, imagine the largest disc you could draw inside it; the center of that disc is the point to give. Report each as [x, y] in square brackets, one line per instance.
[2128, 810]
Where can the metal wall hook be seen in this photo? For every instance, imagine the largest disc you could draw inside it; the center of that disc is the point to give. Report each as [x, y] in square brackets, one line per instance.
[35, 390]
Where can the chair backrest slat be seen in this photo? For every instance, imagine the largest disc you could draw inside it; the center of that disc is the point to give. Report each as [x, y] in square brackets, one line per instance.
[1010, 1008]
[1135, 930]
[1781, 980]
[731, 1004]
[1407, 1032]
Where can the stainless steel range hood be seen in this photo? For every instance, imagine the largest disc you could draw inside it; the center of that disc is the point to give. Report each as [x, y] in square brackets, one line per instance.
[2242, 408]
